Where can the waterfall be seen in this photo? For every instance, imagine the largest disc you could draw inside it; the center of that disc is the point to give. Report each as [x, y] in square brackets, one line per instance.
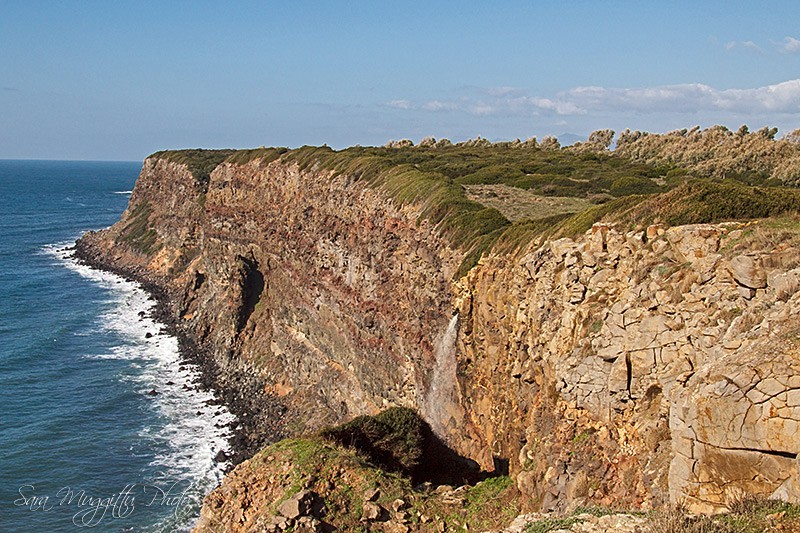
[440, 404]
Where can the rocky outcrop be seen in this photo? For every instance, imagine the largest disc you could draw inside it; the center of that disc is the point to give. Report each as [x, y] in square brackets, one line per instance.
[636, 368]
[625, 368]
[309, 485]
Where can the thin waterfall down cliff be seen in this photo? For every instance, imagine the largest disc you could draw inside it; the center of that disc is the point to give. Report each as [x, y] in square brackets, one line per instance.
[440, 405]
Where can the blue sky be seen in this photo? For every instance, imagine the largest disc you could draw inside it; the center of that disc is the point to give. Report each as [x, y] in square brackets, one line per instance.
[119, 80]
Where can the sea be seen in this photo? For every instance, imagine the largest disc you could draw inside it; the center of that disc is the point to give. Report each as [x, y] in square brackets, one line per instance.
[102, 425]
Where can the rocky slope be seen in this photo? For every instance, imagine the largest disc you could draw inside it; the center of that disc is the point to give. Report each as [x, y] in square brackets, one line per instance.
[626, 368]
[316, 287]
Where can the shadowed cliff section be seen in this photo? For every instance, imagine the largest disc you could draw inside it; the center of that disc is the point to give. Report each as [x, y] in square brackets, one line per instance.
[252, 287]
[399, 440]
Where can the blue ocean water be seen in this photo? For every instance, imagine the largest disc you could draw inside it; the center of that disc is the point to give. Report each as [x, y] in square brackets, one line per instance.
[82, 443]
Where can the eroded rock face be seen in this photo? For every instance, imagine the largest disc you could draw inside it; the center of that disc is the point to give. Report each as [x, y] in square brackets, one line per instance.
[315, 283]
[625, 369]
[631, 369]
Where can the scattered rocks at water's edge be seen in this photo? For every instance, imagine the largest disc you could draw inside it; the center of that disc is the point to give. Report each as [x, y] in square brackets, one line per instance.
[258, 416]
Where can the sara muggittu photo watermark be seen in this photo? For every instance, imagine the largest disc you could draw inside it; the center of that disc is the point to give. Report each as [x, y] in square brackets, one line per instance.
[90, 510]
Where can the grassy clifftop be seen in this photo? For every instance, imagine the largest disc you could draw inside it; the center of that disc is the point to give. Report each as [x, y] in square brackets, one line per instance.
[648, 178]
[435, 177]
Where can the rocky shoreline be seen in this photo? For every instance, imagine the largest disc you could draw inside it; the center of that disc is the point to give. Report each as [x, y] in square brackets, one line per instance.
[259, 417]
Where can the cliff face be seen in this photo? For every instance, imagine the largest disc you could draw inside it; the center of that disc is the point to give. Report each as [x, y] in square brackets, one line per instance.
[637, 368]
[315, 284]
[618, 368]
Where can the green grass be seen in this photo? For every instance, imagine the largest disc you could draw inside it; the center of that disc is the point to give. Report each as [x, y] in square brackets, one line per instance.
[519, 205]
[487, 490]
[488, 505]
[342, 475]
[434, 178]
[200, 162]
[708, 201]
[751, 514]
[266, 155]
[138, 233]
[553, 523]
[319, 464]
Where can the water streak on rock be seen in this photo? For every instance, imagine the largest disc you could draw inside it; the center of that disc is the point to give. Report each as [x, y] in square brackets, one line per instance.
[441, 401]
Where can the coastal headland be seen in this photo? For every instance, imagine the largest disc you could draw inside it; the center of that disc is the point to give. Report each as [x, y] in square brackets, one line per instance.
[581, 328]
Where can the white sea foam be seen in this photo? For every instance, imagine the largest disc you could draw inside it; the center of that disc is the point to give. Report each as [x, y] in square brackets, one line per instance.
[123, 192]
[194, 430]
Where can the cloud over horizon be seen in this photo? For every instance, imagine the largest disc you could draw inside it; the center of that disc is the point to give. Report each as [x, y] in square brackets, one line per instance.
[691, 98]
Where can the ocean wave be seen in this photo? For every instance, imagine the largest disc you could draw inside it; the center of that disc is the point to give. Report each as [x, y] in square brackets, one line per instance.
[123, 192]
[195, 428]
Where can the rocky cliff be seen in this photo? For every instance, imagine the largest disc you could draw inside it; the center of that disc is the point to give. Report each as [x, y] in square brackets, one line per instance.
[621, 366]
[314, 285]
[636, 368]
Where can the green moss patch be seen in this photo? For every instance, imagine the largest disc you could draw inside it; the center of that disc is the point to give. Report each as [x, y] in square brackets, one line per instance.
[138, 233]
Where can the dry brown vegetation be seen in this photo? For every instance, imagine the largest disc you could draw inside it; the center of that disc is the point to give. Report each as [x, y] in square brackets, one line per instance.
[752, 157]
[519, 204]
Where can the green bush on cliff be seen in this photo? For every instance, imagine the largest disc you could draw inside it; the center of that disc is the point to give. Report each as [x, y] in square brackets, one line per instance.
[265, 155]
[393, 439]
[398, 440]
[627, 185]
[706, 201]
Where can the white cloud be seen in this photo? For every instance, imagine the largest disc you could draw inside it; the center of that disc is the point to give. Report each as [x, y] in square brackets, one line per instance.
[688, 98]
[400, 104]
[505, 91]
[747, 45]
[750, 45]
[790, 45]
[439, 105]
[692, 98]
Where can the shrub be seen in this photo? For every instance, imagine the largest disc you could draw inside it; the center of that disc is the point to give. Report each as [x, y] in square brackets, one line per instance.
[627, 185]
[399, 440]
[393, 440]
